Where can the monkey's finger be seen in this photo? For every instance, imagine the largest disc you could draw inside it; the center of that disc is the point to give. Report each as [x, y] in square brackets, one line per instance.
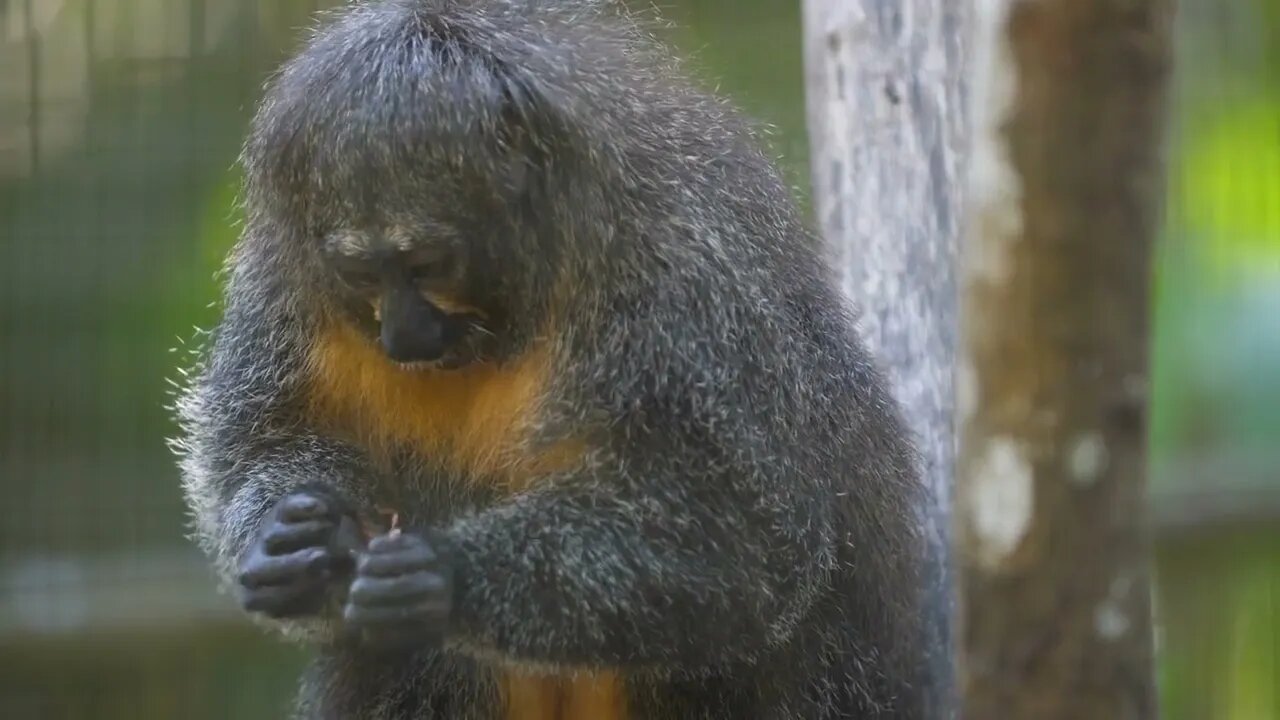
[303, 506]
[399, 563]
[416, 616]
[348, 540]
[264, 570]
[395, 542]
[406, 589]
[285, 600]
[284, 538]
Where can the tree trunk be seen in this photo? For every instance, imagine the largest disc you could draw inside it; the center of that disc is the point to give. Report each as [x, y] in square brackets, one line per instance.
[886, 97]
[1069, 114]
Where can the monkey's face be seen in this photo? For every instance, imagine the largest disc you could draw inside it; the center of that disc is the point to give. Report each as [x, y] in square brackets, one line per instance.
[403, 291]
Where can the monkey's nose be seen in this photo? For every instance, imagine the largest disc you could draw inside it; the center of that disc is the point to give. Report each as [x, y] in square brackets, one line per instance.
[412, 332]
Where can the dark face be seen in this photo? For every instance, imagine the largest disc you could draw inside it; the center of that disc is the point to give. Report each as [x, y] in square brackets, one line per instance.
[404, 289]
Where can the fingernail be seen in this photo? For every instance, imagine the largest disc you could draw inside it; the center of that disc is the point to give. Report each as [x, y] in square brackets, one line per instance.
[318, 560]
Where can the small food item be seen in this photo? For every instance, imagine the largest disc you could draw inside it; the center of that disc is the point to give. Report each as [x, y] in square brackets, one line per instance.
[393, 528]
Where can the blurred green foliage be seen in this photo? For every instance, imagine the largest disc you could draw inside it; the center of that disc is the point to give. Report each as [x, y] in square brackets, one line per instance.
[1216, 374]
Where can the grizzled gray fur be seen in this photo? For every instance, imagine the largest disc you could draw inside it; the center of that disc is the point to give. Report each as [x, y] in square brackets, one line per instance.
[739, 540]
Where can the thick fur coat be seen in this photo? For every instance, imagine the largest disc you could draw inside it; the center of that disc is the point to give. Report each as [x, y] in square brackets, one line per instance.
[676, 489]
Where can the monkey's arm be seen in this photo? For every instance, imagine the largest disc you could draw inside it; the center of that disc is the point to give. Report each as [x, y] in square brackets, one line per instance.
[245, 451]
[234, 491]
[662, 572]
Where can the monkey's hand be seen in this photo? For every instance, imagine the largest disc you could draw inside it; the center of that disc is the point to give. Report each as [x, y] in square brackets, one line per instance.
[302, 556]
[402, 594]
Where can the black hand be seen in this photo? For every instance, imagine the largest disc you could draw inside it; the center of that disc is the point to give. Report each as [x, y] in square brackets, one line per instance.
[402, 593]
[299, 559]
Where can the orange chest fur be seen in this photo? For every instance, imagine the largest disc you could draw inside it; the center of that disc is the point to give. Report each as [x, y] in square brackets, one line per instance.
[585, 697]
[477, 421]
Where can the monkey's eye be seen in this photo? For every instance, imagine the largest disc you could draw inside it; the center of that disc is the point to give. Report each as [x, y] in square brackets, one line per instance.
[432, 268]
[357, 275]
[360, 279]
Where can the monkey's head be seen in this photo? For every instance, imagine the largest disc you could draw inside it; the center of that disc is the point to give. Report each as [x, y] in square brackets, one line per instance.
[416, 179]
[403, 285]
[403, 271]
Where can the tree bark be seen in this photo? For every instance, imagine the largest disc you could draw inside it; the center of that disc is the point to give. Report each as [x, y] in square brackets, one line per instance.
[886, 106]
[1069, 116]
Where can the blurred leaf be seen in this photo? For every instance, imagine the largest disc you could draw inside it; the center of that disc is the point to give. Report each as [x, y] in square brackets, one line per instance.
[1229, 187]
[1253, 681]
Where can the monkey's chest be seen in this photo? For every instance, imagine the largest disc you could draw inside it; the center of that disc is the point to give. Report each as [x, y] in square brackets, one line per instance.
[585, 697]
[477, 423]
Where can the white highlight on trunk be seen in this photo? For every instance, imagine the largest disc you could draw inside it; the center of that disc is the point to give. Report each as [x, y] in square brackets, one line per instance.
[994, 186]
[1000, 497]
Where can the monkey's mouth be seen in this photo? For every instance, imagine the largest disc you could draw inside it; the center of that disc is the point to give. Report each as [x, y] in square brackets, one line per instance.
[451, 361]
[467, 347]
[417, 365]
